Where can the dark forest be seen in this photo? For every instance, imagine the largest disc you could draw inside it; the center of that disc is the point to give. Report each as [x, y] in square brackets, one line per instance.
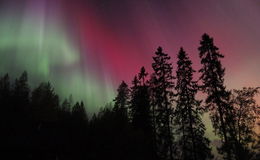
[156, 117]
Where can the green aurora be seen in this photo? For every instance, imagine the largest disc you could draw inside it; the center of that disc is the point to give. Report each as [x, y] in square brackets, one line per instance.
[47, 54]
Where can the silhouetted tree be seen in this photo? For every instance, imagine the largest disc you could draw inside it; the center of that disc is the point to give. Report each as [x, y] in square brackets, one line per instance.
[45, 109]
[79, 112]
[122, 98]
[133, 99]
[45, 102]
[161, 87]
[33, 125]
[188, 113]
[122, 102]
[142, 76]
[140, 112]
[217, 101]
[140, 103]
[66, 129]
[66, 105]
[21, 92]
[80, 131]
[245, 112]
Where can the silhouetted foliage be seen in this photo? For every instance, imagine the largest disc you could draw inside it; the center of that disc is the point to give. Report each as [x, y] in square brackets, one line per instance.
[256, 144]
[140, 104]
[21, 91]
[79, 113]
[245, 113]
[218, 99]
[193, 143]
[44, 103]
[122, 99]
[140, 112]
[66, 106]
[162, 92]
[154, 120]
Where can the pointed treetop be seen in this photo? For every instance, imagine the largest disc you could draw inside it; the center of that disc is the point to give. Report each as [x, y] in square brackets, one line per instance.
[207, 46]
[121, 100]
[205, 36]
[182, 54]
[22, 79]
[142, 75]
[159, 49]
[122, 86]
[81, 104]
[24, 75]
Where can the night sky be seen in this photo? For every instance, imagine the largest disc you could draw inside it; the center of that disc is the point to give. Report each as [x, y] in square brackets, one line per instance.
[86, 47]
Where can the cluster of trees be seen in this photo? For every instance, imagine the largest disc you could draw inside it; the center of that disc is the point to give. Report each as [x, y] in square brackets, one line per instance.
[158, 118]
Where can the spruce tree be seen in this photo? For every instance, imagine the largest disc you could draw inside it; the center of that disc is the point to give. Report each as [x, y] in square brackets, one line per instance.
[122, 98]
[79, 122]
[21, 92]
[140, 113]
[121, 105]
[218, 98]
[66, 106]
[45, 103]
[162, 95]
[134, 100]
[20, 105]
[142, 76]
[193, 143]
[140, 103]
[79, 113]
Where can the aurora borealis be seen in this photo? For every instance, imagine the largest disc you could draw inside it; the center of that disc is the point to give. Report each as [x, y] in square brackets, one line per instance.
[86, 47]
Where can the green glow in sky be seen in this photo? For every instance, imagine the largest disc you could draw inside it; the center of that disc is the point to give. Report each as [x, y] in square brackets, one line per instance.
[48, 54]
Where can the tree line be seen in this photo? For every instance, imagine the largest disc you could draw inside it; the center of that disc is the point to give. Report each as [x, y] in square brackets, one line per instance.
[158, 117]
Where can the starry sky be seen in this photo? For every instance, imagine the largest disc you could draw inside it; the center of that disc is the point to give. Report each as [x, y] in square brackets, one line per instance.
[86, 47]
